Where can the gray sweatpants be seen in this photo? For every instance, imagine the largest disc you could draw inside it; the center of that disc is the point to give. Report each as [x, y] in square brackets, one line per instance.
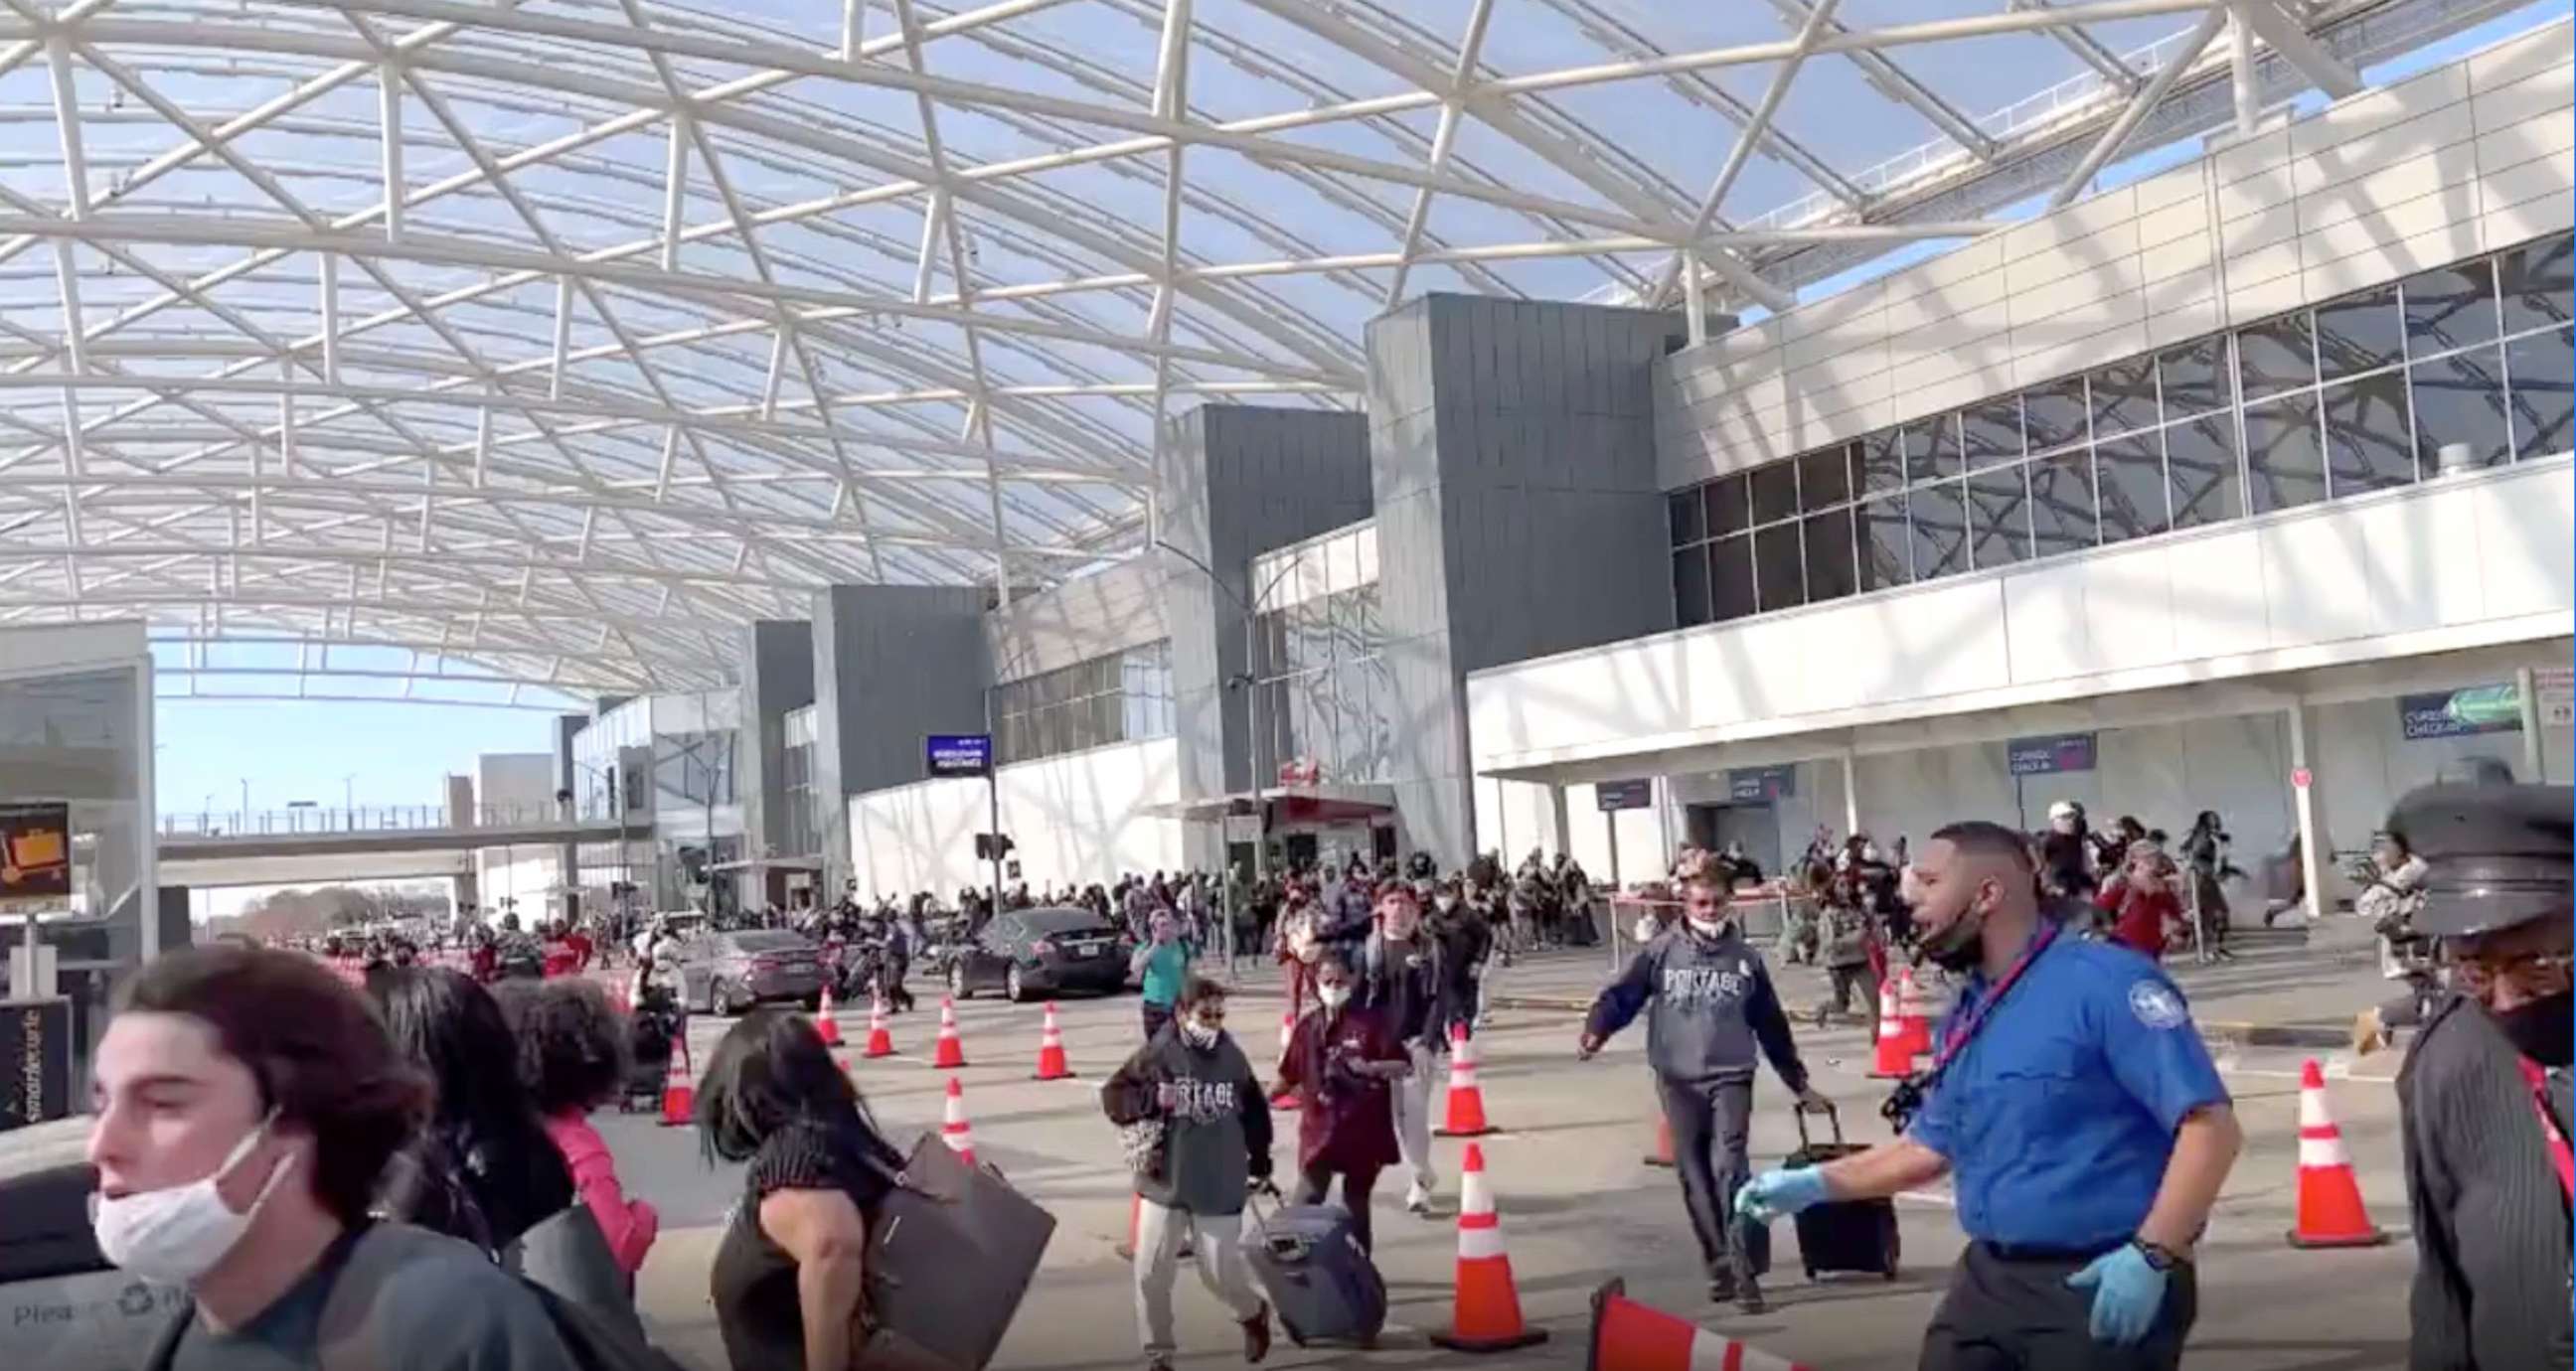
[1217, 1240]
[1413, 1106]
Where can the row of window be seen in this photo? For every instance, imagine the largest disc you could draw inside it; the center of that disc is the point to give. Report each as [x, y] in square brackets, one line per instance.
[1326, 690]
[2467, 364]
[1120, 697]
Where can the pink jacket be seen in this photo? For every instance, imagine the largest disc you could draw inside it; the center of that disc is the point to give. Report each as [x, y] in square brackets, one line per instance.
[630, 1225]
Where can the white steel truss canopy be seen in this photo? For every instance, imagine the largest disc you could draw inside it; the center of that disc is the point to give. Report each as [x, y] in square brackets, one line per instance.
[561, 337]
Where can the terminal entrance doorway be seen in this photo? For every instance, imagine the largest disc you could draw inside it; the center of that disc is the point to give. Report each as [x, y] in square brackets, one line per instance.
[1757, 826]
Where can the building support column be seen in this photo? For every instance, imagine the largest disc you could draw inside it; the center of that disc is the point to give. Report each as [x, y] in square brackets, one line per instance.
[1564, 832]
[2535, 764]
[1851, 792]
[2314, 853]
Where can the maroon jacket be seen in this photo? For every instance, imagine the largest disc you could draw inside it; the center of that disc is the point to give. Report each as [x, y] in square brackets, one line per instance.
[1345, 1121]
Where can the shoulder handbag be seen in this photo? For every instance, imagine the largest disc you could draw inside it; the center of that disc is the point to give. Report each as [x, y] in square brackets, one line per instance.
[566, 1255]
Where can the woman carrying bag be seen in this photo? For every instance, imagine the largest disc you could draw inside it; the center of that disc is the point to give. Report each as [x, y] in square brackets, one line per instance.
[789, 1280]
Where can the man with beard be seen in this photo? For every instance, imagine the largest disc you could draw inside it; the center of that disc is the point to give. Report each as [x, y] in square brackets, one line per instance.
[2078, 1111]
[1710, 1004]
[2483, 1099]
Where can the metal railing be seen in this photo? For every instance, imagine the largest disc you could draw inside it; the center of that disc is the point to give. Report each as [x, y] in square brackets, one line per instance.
[316, 819]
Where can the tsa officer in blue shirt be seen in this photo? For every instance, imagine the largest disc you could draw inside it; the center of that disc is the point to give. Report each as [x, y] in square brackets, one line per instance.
[2073, 1104]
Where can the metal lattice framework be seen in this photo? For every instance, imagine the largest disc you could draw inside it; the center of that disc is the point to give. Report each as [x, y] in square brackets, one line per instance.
[560, 337]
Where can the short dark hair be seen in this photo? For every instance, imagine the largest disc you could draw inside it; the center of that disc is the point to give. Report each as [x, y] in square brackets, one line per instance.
[1987, 839]
[312, 1043]
[573, 1048]
[1197, 991]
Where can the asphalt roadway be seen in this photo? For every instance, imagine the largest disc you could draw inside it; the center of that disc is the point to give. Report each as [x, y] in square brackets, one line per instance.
[1578, 1206]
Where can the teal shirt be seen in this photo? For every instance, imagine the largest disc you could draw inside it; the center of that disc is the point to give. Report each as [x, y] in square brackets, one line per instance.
[1166, 966]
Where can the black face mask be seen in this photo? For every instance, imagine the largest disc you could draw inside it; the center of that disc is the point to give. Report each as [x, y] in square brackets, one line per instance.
[1955, 948]
[2540, 1030]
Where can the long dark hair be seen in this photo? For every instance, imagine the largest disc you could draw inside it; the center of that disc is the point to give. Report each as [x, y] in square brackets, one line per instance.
[770, 1071]
[484, 1132]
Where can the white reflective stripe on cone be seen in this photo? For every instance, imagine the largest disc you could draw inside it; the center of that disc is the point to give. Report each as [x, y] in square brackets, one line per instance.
[2318, 1153]
[1474, 1195]
[1709, 1352]
[2312, 1109]
[1479, 1244]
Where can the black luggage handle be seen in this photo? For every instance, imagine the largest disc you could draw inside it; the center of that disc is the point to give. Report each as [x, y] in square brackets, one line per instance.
[1802, 1109]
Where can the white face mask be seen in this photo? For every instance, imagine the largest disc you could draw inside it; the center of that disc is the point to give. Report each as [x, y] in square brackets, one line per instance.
[1707, 928]
[176, 1234]
[1197, 1034]
[1334, 996]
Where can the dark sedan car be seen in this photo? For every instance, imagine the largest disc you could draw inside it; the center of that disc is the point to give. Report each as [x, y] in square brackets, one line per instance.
[1027, 952]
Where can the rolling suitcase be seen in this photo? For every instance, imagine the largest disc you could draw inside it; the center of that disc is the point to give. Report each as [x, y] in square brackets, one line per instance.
[1323, 1286]
[1842, 1235]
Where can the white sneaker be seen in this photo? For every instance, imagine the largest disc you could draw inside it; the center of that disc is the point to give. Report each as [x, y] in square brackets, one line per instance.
[1417, 1199]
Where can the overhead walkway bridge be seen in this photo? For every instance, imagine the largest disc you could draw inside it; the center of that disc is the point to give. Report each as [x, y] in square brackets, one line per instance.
[310, 843]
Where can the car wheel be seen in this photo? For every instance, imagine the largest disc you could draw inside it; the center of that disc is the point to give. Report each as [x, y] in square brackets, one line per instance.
[957, 981]
[813, 1003]
[730, 1000]
[1012, 987]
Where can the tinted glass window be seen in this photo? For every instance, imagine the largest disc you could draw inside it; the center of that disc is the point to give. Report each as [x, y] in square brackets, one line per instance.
[2194, 377]
[1886, 551]
[2537, 366]
[1992, 433]
[1730, 578]
[1932, 448]
[2132, 474]
[1829, 555]
[1999, 517]
[1690, 586]
[2124, 397]
[2054, 415]
[1939, 517]
[2360, 333]
[1725, 504]
[1882, 462]
[2283, 457]
[1048, 923]
[2061, 503]
[1778, 568]
[2275, 356]
[2451, 307]
[2535, 280]
[2201, 458]
[1824, 478]
[2368, 442]
[2460, 399]
[1775, 491]
[1690, 524]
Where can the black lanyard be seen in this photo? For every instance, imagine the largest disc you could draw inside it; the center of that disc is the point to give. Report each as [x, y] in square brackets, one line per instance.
[1959, 1037]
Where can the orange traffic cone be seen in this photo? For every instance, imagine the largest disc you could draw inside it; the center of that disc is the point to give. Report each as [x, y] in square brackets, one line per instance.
[825, 1025]
[1486, 1316]
[1628, 1336]
[952, 1049]
[679, 1095]
[1663, 1153]
[1895, 1059]
[1286, 1099]
[2330, 1212]
[1466, 1117]
[1913, 1013]
[953, 1128]
[880, 1039]
[1051, 1063]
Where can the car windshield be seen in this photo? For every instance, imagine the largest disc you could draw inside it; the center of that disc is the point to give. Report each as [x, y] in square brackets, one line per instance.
[770, 942]
[1057, 923]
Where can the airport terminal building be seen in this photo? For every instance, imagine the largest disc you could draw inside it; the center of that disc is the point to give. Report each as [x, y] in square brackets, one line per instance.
[2243, 486]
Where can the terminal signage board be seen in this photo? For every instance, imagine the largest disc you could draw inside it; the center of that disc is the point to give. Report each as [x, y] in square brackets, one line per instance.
[2049, 754]
[1757, 785]
[35, 1061]
[2459, 713]
[36, 855]
[1615, 795]
[959, 754]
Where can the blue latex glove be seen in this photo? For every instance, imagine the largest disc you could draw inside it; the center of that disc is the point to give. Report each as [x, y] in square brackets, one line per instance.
[1774, 1193]
[2127, 1294]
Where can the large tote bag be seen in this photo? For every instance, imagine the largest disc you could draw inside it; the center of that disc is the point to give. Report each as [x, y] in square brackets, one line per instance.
[951, 1252]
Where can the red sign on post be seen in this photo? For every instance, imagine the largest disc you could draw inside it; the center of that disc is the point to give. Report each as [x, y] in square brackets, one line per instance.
[2300, 778]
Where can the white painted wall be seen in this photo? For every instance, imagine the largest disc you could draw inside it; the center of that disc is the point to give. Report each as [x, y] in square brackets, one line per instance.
[2462, 159]
[1076, 817]
[2351, 581]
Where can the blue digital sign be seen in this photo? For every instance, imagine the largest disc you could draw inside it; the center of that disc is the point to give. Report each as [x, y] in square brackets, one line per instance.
[959, 754]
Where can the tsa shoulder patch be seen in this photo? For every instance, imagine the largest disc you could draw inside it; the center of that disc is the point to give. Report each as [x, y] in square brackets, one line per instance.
[2156, 1005]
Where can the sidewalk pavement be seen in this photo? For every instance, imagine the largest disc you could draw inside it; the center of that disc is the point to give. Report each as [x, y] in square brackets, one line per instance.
[2292, 986]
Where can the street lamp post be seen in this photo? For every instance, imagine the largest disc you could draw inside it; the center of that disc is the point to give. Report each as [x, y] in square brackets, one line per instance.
[1251, 679]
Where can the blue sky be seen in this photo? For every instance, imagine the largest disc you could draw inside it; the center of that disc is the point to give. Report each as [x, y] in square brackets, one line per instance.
[388, 753]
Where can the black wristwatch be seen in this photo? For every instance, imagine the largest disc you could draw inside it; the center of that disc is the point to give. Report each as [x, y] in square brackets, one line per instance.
[2159, 1256]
